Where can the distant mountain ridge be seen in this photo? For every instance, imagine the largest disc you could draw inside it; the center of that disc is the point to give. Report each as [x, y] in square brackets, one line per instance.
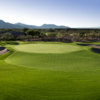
[6, 25]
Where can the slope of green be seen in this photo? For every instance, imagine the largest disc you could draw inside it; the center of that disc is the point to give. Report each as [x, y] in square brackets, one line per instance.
[81, 60]
[54, 76]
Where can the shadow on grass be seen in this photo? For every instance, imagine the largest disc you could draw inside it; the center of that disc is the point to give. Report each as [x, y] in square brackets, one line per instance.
[3, 43]
[12, 42]
[2, 48]
[96, 50]
[83, 44]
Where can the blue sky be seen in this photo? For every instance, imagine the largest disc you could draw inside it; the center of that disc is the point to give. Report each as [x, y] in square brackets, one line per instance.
[73, 13]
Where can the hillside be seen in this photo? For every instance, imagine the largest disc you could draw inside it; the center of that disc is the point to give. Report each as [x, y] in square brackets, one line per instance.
[6, 25]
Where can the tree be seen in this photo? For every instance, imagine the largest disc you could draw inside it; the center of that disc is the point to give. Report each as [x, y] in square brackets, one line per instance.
[25, 29]
[7, 36]
[32, 32]
[21, 37]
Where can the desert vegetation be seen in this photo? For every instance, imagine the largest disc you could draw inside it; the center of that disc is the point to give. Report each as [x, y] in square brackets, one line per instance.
[62, 35]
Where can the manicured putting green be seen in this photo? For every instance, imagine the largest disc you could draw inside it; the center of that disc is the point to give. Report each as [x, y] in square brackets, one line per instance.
[47, 48]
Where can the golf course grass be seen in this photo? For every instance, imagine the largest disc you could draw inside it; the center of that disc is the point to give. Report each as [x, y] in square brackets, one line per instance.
[46, 48]
[49, 71]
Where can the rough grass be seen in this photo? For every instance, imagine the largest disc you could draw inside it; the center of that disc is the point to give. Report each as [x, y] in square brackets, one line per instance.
[64, 76]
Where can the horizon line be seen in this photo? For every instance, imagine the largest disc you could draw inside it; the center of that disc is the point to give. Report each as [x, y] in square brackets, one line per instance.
[95, 27]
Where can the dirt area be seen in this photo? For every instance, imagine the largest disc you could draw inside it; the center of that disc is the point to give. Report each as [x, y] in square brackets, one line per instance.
[3, 50]
[95, 46]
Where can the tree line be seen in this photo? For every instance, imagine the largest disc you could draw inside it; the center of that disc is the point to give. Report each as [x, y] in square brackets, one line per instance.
[63, 35]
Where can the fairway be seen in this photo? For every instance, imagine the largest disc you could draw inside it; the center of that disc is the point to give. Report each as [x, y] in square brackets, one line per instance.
[49, 71]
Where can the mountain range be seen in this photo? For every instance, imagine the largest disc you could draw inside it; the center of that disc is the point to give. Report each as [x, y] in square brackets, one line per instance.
[6, 25]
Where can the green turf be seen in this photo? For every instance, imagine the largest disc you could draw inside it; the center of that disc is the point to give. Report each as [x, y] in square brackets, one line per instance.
[46, 48]
[70, 73]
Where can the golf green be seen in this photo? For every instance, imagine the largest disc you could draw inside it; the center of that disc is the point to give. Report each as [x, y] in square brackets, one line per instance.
[46, 48]
[50, 71]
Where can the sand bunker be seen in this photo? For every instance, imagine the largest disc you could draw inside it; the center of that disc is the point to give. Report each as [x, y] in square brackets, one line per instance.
[3, 50]
[95, 48]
